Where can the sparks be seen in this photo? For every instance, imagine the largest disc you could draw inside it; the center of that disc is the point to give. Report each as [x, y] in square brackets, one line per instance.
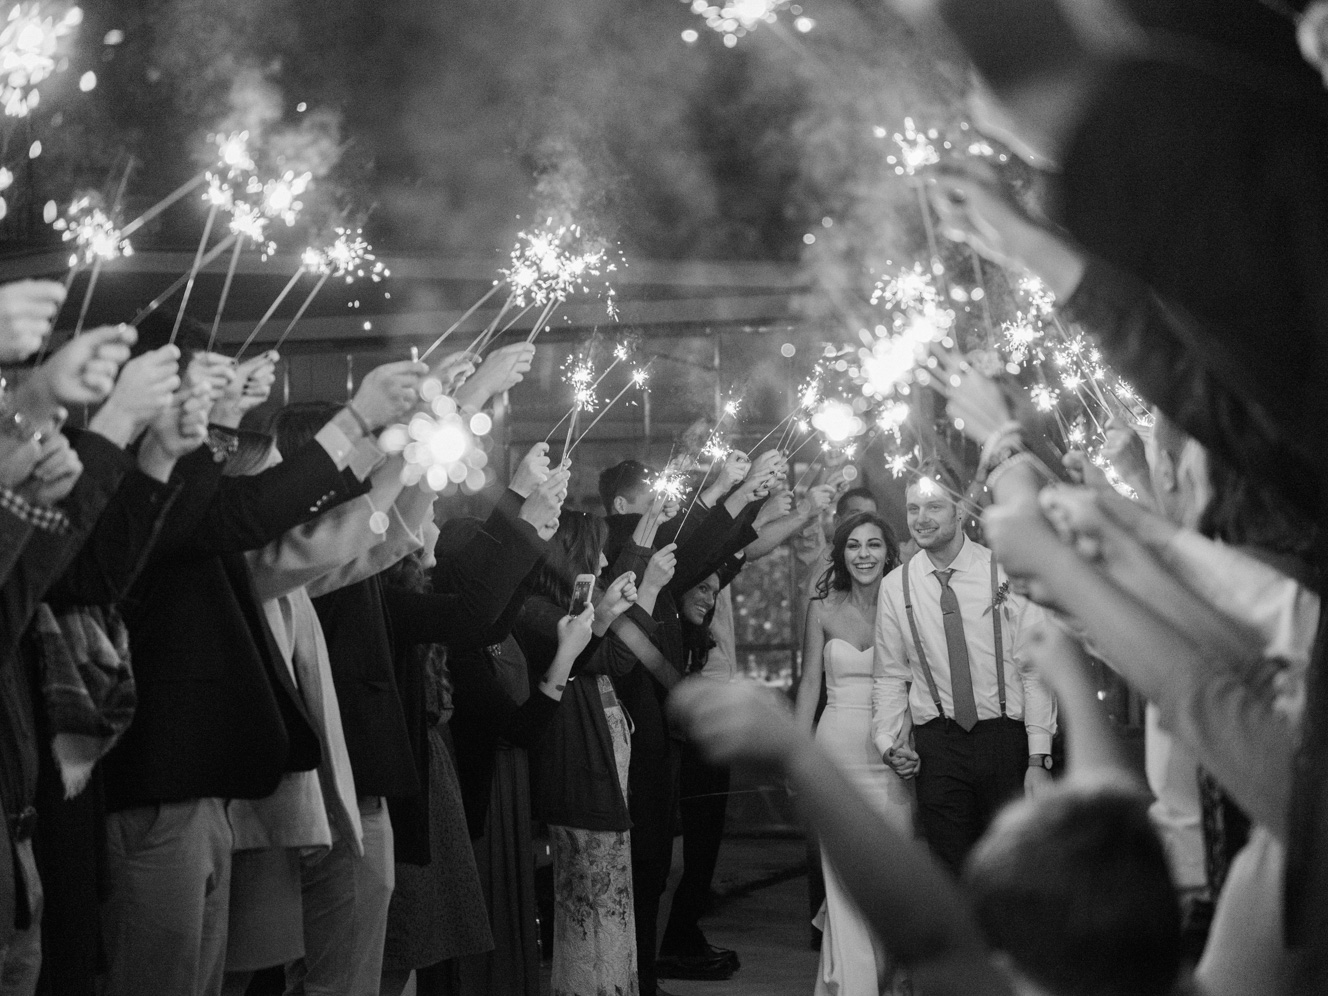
[639, 377]
[897, 465]
[837, 421]
[1044, 398]
[732, 406]
[92, 231]
[915, 149]
[734, 18]
[248, 222]
[1039, 295]
[545, 268]
[29, 46]
[349, 256]
[912, 288]
[672, 484]
[280, 198]
[716, 448]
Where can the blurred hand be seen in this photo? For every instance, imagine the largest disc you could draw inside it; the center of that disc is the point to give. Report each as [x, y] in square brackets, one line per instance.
[246, 390]
[453, 370]
[144, 388]
[736, 466]
[55, 473]
[1024, 541]
[822, 497]
[1081, 470]
[771, 463]
[976, 208]
[27, 309]
[776, 507]
[574, 632]
[545, 503]
[214, 372]
[737, 721]
[501, 370]
[388, 392]
[973, 397]
[659, 571]
[1125, 451]
[532, 471]
[17, 463]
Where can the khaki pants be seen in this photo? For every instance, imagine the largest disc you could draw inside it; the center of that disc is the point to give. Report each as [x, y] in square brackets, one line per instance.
[165, 918]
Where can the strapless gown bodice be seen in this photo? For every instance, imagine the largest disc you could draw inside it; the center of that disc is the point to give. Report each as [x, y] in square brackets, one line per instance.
[848, 675]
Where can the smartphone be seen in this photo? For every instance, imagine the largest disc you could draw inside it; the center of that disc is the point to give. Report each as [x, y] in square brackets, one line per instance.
[583, 589]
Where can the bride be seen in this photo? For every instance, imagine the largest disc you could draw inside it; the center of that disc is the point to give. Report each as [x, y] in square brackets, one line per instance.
[838, 643]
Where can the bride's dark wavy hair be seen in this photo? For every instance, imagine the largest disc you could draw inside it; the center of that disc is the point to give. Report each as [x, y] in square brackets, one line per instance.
[836, 577]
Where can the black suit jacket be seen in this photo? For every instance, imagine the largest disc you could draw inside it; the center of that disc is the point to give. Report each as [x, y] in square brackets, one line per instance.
[218, 714]
[370, 629]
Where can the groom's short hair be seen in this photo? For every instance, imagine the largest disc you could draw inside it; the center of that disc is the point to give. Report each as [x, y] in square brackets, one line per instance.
[1074, 886]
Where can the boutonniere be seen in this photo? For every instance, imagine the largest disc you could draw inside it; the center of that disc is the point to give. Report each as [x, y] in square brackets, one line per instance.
[998, 599]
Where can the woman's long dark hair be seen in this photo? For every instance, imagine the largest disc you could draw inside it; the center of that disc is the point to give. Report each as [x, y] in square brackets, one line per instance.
[837, 577]
[574, 549]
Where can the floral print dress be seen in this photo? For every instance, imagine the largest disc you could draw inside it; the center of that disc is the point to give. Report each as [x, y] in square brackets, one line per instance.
[594, 930]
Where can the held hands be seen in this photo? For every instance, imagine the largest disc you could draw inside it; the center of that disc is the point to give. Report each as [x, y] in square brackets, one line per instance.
[246, 390]
[181, 428]
[388, 392]
[739, 720]
[542, 508]
[501, 370]
[56, 472]
[574, 632]
[532, 471]
[212, 372]
[902, 757]
[27, 309]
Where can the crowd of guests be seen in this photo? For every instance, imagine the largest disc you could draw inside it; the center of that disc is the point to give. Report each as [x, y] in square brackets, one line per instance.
[260, 713]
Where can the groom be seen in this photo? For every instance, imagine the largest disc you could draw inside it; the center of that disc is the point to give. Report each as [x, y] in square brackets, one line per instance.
[949, 641]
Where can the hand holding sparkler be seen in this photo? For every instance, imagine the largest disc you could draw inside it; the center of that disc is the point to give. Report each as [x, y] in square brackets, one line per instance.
[246, 390]
[977, 209]
[657, 575]
[972, 398]
[542, 508]
[56, 472]
[176, 431]
[1080, 469]
[145, 387]
[775, 507]
[387, 393]
[736, 466]
[618, 597]
[27, 311]
[669, 488]
[83, 371]
[532, 471]
[501, 370]
[211, 372]
[450, 373]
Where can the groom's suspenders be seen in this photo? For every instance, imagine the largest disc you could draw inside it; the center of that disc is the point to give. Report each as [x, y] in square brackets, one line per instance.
[922, 654]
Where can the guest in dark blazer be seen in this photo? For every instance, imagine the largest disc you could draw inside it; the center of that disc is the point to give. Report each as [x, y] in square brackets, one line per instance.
[218, 716]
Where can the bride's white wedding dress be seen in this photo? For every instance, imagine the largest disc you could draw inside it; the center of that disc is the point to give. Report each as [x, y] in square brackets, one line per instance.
[852, 960]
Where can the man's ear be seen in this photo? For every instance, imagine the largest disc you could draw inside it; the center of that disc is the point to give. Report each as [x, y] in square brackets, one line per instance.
[619, 505]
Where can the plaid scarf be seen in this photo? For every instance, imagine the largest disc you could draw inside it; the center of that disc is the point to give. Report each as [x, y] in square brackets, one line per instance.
[87, 686]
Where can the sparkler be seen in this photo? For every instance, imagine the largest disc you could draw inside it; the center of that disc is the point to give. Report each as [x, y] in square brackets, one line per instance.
[460, 321]
[29, 46]
[165, 295]
[96, 239]
[349, 257]
[639, 379]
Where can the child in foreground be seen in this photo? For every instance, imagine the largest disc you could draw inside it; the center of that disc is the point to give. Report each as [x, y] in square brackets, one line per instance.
[1068, 893]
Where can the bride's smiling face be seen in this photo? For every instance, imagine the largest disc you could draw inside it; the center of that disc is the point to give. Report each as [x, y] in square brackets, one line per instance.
[864, 554]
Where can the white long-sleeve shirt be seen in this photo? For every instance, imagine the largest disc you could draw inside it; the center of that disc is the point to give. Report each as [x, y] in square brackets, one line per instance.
[896, 666]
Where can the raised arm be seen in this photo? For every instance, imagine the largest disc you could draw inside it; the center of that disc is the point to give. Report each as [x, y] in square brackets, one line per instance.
[908, 899]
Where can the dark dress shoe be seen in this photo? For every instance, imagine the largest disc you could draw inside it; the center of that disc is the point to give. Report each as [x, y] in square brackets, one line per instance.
[715, 964]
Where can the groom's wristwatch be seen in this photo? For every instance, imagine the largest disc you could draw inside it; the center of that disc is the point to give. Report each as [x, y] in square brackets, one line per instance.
[1039, 761]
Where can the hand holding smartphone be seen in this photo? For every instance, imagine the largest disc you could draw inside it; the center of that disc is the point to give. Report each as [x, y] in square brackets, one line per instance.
[583, 591]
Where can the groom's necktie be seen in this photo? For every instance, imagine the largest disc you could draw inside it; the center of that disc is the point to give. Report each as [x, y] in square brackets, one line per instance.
[961, 678]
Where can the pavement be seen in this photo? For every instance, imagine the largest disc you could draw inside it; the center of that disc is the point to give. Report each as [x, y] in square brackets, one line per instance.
[762, 914]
